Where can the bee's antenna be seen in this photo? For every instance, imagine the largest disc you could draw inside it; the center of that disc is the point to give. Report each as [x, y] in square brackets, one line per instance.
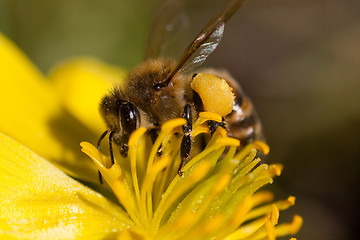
[98, 147]
[111, 148]
[101, 138]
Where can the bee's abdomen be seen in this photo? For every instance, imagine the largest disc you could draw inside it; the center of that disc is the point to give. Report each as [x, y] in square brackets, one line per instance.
[243, 122]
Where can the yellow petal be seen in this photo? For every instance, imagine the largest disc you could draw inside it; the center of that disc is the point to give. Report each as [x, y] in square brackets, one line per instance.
[26, 102]
[38, 201]
[81, 83]
[32, 114]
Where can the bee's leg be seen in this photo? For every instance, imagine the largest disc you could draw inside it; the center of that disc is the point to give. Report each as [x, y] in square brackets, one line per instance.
[98, 147]
[154, 134]
[186, 142]
[213, 125]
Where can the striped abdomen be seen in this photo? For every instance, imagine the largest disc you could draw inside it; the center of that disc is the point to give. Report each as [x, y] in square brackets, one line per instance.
[243, 122]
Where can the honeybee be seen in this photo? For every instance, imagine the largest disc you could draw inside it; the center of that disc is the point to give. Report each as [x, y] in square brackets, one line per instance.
[159, 88]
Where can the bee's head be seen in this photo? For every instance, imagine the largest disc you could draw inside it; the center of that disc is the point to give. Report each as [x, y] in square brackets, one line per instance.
[121, 117]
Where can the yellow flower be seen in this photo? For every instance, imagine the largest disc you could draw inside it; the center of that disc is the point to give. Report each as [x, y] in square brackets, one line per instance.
[216, 198]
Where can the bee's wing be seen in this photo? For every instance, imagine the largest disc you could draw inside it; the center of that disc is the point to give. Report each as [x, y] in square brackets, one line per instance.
[167, 35]
[205, 42]
[204, 50]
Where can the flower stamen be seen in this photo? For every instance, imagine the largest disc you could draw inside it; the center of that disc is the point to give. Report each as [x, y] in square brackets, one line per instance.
[214, 198]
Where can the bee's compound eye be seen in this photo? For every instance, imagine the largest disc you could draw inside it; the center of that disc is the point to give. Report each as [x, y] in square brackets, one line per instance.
[129, 117]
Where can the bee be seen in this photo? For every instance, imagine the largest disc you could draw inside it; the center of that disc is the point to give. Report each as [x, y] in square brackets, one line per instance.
[159, 88]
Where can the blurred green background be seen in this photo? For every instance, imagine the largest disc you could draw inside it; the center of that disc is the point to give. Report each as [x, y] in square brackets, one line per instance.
[298, 60]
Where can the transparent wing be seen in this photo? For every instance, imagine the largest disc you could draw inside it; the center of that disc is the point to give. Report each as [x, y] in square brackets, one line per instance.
[205, 42]
[205, 49]
[168, 31]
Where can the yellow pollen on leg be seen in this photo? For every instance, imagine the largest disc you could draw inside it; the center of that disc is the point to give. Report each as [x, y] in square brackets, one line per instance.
[206, 116]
